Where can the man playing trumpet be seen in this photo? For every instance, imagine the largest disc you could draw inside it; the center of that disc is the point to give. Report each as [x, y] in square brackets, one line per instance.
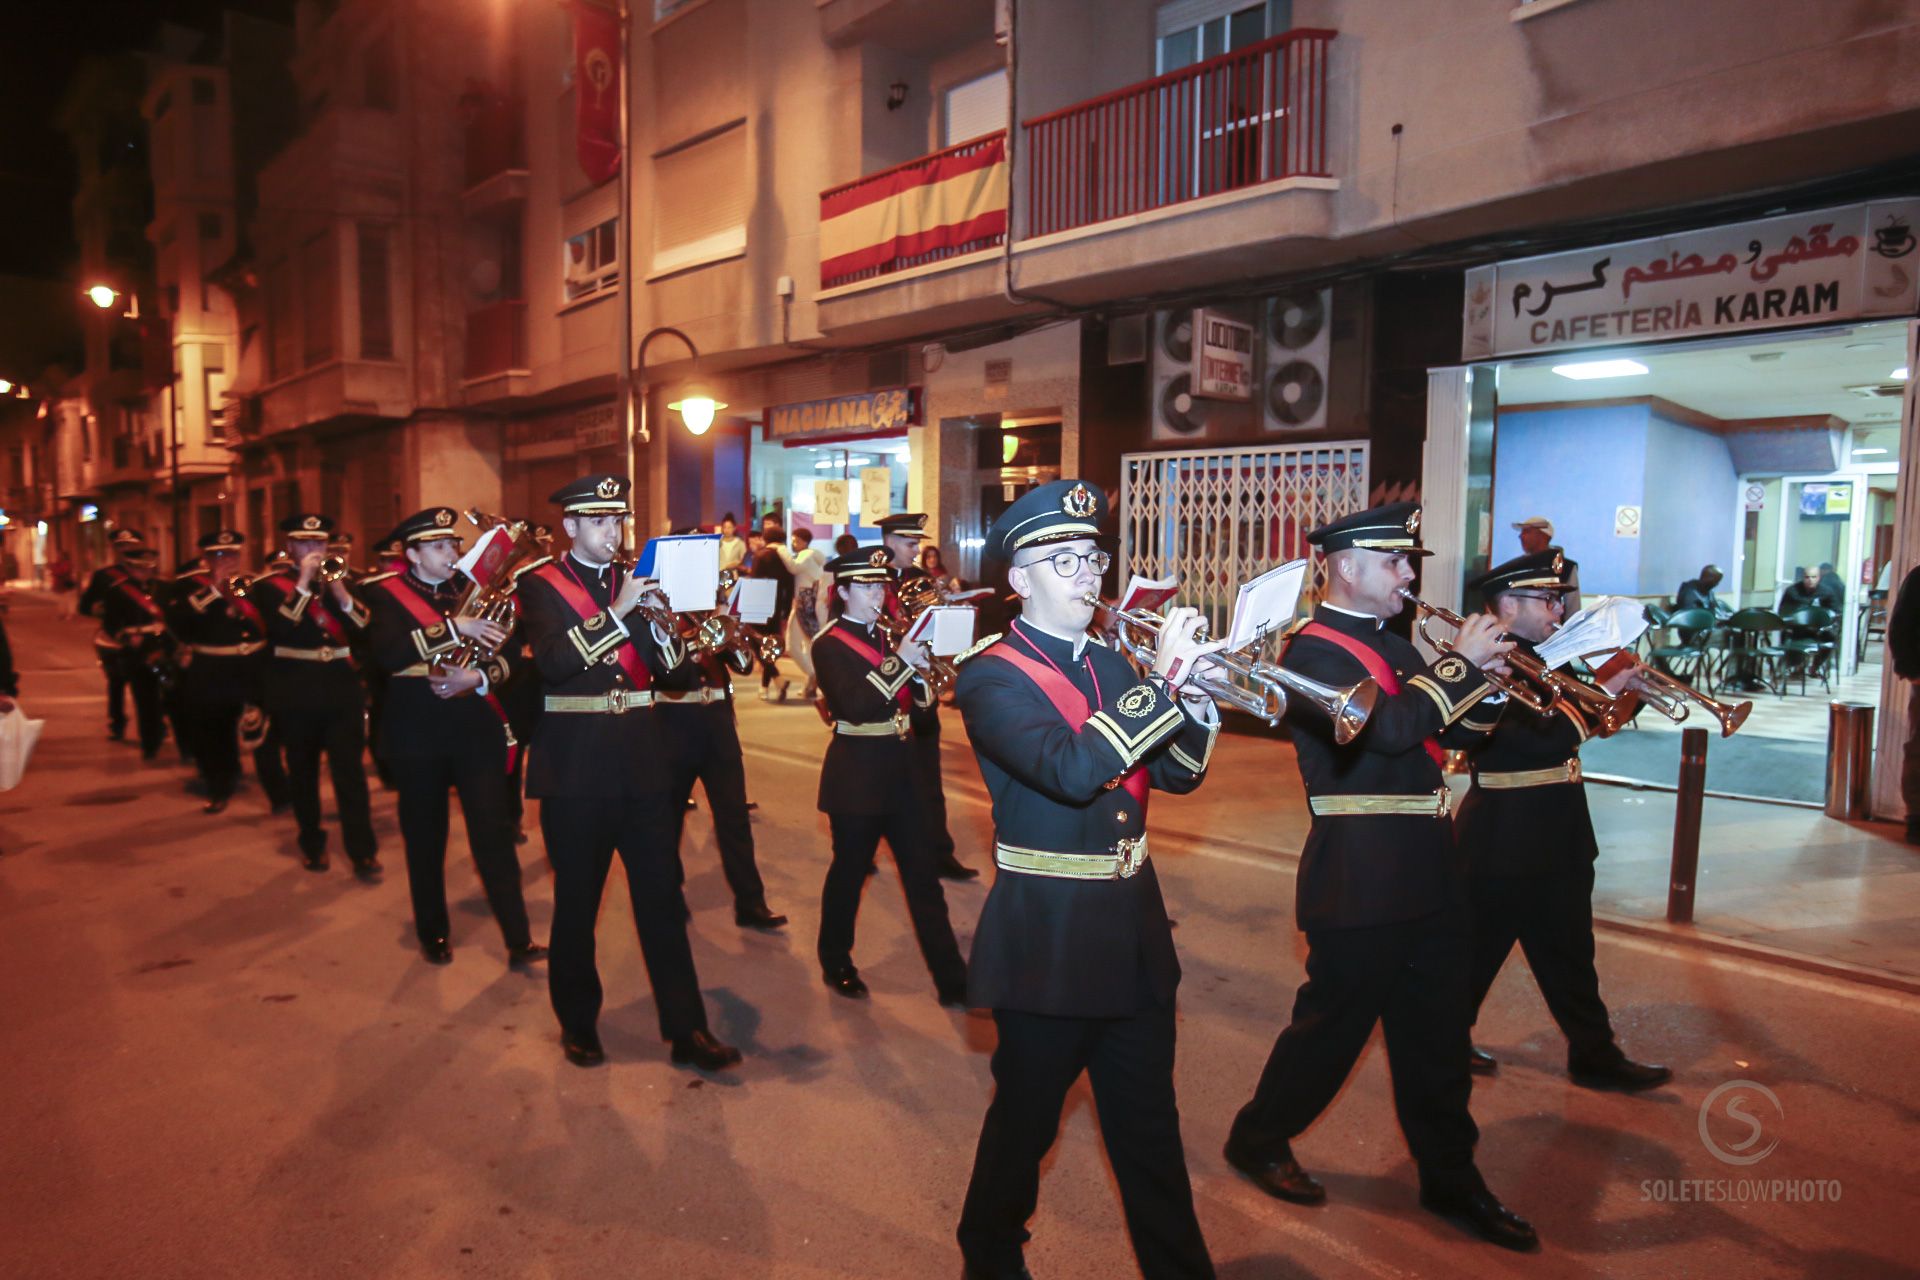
[1529, 843]
[1378, 894]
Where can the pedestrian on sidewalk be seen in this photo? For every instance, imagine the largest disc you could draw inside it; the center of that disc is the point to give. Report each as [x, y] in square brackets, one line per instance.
[1074, 952]
[1379, 893]
[1529, 846]
[1903, 645]
[768, 546]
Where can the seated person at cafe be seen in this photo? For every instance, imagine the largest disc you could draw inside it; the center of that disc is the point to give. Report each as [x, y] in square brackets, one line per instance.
[1802, 593]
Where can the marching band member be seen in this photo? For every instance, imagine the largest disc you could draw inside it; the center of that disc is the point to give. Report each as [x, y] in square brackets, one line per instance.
[313, 691]
[445, 727]
[1378, 893]
[902, 534]
[1074, 952]
[226, 636]
[1529, 843]
[603, 773]
[132, 621]
[870, 785]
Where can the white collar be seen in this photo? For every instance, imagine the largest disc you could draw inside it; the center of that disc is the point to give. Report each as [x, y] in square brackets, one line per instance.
[1079, 642]
[1355, 613]
[595, 569]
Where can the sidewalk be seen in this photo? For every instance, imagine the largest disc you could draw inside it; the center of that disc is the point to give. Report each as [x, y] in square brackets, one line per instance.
[1783, 884]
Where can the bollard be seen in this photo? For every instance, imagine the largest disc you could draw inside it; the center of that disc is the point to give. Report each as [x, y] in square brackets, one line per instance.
[1686, 825]
[1849, 759]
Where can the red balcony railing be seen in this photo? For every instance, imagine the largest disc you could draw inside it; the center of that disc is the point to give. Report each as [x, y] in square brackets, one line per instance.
[496, 339]
[496, 139]
[1254, 115]
[938, 206]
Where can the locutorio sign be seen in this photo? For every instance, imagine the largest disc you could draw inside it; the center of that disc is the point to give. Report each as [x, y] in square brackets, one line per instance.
[1803, 268]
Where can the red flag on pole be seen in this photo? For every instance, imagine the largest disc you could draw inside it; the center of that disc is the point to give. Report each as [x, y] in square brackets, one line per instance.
[596, 89]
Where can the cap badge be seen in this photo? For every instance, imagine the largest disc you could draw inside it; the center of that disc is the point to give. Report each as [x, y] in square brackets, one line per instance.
[880, 558]
[226, 539]
[311, 522]
[443, 517]
[1413, 523]
[608, 488]
[1559, 563]
[1078, 502]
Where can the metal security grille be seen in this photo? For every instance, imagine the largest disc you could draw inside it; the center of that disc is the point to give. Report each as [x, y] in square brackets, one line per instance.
[1216, 517]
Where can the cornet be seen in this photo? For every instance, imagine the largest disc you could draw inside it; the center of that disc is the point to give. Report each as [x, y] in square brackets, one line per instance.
[1347, 707]
[1669, 696]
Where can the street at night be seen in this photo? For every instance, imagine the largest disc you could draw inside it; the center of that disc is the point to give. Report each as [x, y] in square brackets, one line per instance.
[222, 1064]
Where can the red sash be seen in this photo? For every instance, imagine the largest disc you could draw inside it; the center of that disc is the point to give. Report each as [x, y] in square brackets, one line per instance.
[1073, 708]
[315, 610]
[872, 655]
[426, 615]
[1376, 667]
[131, 590]
[239, 604]
[581, 603]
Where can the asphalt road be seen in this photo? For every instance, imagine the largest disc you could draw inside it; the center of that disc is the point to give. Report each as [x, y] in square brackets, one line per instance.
[219, 1064]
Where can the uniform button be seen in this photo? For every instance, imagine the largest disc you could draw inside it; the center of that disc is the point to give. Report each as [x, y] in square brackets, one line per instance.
[1120, 816]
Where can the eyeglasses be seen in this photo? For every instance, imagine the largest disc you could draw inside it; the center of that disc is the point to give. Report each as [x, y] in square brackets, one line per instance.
[1544, 597]
[1067, 563]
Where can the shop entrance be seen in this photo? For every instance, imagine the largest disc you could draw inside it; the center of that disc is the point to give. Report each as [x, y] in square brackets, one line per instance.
[783, 479]
[1772, 460]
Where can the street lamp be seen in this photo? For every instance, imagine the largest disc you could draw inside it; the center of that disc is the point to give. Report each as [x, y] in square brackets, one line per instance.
[103, 296]
[696, 407]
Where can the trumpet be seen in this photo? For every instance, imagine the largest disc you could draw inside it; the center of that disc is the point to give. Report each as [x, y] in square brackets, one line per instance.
[1540, 688]
[938, 675]
[333, 567]
[1267, 685]
[1672, 698]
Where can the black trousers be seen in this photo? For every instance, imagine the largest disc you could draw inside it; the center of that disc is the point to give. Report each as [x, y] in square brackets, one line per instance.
[173, 705]
[582, 834]
[213, 726]
[856, 839]
[1414, 978]
[478, 771]
[707, 750]
[1551, 917]
[339, 732]
[115, 667]
[1910, 761]
[145, 688]
[932, 792]
[1129, 1062]
[270, 766]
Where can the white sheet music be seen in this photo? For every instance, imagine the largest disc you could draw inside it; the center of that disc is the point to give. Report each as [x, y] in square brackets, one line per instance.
[1265, 606]
[688, 569]
[753, 599]
[1611, 622]
[945, 629]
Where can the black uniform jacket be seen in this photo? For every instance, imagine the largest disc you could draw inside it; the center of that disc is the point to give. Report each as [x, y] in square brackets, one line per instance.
[227, 640]
[120, 602]
[298, 684]
[1521, 831]
[602, 754]
[1371, 869]
[414, 721]
[864, 774]
[1073, 948]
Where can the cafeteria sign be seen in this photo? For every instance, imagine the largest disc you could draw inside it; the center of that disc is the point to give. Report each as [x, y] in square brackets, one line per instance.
[876, 412]
[1803, 268]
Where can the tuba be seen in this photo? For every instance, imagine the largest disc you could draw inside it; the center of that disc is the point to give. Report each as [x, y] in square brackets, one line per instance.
[493, 601]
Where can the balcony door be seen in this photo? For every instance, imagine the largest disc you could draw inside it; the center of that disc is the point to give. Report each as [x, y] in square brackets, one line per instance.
[1215, 131]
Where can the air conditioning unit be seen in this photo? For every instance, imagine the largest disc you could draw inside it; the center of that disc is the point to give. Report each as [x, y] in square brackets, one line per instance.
[1293, 384]
[1177, 413]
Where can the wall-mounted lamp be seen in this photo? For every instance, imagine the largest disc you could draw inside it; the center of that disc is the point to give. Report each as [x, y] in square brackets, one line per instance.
[696, 407]
[896, 95]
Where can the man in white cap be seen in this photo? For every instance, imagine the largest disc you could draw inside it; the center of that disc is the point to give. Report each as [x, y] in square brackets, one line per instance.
[1536, 535]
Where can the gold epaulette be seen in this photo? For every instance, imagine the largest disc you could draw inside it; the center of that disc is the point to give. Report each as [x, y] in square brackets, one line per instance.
[377, 577]
[530, 566]
[1298, 625]
[977, 647]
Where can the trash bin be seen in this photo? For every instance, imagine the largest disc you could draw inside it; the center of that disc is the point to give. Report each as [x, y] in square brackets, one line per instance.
[1849, 759]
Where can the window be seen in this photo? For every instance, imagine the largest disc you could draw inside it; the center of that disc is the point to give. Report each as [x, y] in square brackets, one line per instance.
[591, 261]
[376, 300]
[213, 382]
[209, 226]
[664, 9]
[1192, 31]
[974, 109]
[700, 199]
[318, 291]
[203, 91]
[381, 88]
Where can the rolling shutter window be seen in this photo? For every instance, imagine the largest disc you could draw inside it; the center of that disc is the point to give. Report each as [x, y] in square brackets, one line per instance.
[975, 109]
[700, 198]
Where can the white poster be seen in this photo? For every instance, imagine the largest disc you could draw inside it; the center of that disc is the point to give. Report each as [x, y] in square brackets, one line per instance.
[876, 494]
[1222, 357]
[830, 501]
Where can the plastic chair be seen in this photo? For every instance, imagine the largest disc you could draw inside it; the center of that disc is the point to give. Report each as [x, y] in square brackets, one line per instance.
[1751, 632]
[1686, 657]
[1812, 635]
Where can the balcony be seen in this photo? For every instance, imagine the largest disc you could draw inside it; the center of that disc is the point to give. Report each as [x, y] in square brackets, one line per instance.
[496, 154]
[496, 348]
[922, 237]
[1201, 162]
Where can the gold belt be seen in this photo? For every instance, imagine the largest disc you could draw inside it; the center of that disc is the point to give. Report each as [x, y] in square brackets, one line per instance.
[417, 669]
[603, 703]
[690, 695]
[1568, 772]
[1118, 863]
[325, 653]
[145, 629]
[1436, 804]
[245, 648]
[898, 727]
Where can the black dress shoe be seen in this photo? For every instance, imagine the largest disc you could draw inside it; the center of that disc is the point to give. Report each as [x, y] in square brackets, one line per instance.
[279, 806]
[215, 806]
[951, 868]
[1482, 1211]
[846, 981]
[703, 1051]
[953, 995]
[1622, 1075]
[1480, 1062]
[366, 868]
[582, 1048]
[1279, 1176]
[436, 950]
[315, 861]
[521, 957]
[757, 915]
[117, 735]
